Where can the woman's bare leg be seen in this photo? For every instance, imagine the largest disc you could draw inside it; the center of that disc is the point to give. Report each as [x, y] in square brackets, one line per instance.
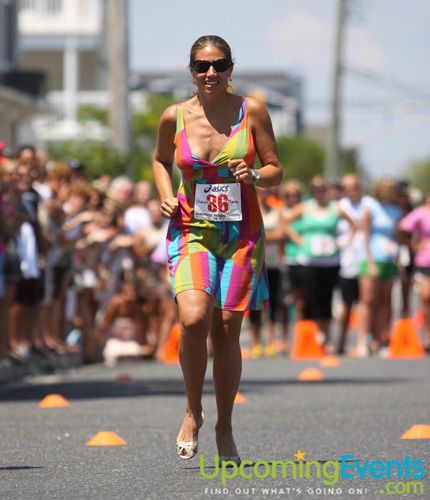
[227, 369]
[195, 312]
[365, 308]
[384, 311]
[425, 308]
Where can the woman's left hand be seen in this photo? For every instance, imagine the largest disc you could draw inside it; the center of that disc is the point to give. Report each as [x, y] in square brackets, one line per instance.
[241, 171]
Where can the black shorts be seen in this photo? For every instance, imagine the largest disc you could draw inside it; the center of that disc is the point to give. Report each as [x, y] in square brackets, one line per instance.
[424, 271]
[291, 281]
[349, 290]
[30, 291]
[317, 289]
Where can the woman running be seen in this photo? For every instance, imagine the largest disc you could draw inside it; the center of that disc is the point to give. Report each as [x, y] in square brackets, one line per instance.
[215, 240]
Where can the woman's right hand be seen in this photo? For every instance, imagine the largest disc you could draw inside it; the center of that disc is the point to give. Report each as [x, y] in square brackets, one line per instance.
[169, 207]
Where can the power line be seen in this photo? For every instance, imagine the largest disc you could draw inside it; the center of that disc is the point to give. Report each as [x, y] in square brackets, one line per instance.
[388, 132]
[386, 81]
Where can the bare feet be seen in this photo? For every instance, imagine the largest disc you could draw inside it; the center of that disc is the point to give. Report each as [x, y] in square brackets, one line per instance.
[225, 443]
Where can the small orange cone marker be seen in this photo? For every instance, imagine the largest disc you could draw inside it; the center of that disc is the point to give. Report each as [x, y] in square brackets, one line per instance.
[405, 342]
[417, 432]
[418, 319]
[54, 401]
[239, 399]
[311, 374]
[306, 345]
[330, 361]
[124, 379]
[171, 349]
[106, 439]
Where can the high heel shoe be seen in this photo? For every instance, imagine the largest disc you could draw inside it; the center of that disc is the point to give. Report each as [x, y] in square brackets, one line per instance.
[187, 449]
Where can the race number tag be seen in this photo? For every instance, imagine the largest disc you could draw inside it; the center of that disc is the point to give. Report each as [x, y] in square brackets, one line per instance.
[388, 246]
[218, 202]
[322, 245]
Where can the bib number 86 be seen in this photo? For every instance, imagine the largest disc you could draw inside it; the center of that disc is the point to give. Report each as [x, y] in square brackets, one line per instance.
[217, 203]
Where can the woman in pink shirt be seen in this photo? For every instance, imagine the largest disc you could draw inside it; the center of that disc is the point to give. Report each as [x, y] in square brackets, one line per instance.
[417, 224]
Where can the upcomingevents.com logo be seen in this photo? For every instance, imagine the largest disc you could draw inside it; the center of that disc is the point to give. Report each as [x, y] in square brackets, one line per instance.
[402, 475]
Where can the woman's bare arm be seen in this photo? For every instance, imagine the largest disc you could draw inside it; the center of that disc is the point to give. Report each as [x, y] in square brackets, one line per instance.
[162, 162]
[271, 172]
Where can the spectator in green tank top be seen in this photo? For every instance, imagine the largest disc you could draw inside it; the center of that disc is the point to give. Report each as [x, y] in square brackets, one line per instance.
[318, 254]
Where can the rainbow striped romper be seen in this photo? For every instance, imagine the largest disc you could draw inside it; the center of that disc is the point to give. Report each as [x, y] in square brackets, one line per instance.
[225, 259]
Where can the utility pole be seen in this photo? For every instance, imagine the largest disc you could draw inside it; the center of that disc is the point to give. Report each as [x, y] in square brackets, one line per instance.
[117, 35]
[333, 167]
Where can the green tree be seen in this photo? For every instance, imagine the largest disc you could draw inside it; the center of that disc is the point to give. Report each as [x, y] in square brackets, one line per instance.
[301, 157]
[101, 158]
[144, 125]
[418, 173]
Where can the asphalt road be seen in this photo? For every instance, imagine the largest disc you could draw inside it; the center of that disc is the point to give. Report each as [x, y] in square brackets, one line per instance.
[360, 409]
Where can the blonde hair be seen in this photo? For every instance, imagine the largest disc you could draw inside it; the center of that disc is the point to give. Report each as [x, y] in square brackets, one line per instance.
[384, 189]
[291, 184]
[317, 181]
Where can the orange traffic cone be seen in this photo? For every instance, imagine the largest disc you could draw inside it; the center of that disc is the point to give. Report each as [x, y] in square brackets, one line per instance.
[239, 399]
[54, 401]
[417, 432]
[405, 342]
[171, 349]
[306, 345]
[310, 374]
[106, 439]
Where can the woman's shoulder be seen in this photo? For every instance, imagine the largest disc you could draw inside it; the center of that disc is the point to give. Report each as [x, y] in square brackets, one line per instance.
[255, 106]
[171, 112]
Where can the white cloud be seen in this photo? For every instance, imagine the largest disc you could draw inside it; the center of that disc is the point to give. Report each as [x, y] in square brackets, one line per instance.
[304, 40]
[301, 38]
[363, 50]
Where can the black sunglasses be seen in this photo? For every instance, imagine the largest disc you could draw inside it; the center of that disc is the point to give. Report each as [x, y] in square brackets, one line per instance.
[219, 65]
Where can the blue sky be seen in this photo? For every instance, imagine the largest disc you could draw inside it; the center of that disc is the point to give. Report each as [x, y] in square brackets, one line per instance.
[386, 114]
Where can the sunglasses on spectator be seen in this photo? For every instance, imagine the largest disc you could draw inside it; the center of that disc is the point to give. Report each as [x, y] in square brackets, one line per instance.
[219, 65]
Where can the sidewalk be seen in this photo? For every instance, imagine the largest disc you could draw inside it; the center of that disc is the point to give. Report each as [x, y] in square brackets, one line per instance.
[11, 371]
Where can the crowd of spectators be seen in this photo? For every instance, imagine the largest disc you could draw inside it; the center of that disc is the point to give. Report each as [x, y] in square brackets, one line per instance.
[83, 264]
[337, 238]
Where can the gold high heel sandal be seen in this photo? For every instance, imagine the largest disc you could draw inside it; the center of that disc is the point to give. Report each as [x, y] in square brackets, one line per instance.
[187, 449]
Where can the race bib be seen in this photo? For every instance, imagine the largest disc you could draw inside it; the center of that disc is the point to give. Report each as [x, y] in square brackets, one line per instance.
[389, 247]
[218, 202]
[322, 245]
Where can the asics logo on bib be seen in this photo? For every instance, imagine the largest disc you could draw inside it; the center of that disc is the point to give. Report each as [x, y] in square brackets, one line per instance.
[216, 188]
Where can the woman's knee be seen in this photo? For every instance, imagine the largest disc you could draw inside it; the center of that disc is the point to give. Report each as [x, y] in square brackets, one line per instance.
[225, 328]
[194, 319]
[195, 310]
